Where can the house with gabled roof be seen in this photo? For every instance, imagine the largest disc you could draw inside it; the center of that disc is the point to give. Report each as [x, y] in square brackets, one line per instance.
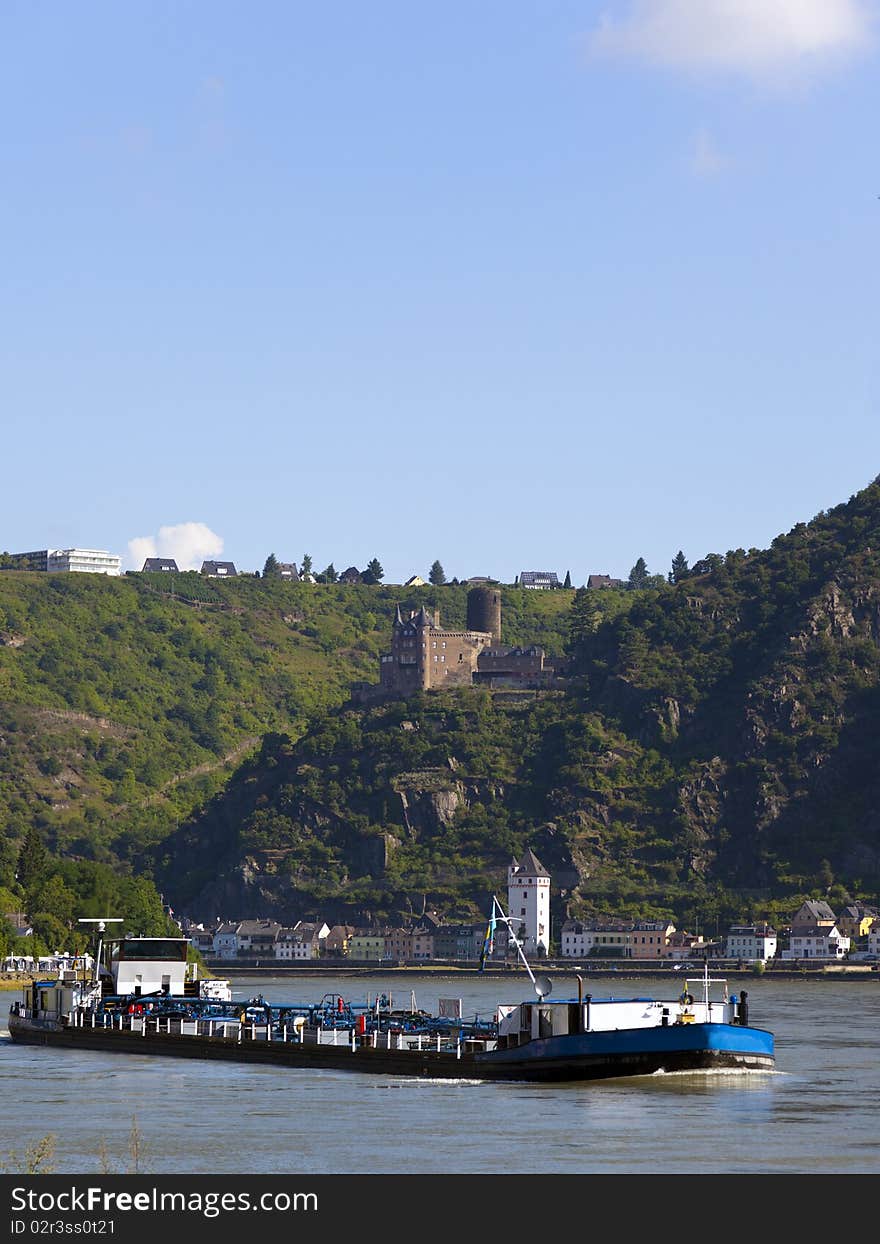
[538, 580]
[257, 937]
[337, 939]
[814, 912]
[856, 920]
[303, 941]
[164, 565]
[398, 943]
[225, 940]
[815, 941]
[218, 570]
[350, 575]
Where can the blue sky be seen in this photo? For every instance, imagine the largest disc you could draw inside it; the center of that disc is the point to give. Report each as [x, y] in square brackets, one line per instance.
[513, 285]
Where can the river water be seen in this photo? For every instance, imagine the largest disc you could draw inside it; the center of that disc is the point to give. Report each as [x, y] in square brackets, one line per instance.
[818, 1112]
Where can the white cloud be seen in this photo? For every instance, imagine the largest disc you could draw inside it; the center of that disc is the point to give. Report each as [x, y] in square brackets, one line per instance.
[139, 549]
[188, 543]
[749, 36]
[706, 159]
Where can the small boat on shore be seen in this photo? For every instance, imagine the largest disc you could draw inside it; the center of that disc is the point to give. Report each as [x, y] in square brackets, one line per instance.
[139, 1003]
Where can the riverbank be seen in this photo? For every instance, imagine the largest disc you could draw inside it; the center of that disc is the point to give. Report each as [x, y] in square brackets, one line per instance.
[632, 969]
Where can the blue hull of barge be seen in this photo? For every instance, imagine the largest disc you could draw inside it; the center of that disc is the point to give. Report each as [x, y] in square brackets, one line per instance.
[678, 1047]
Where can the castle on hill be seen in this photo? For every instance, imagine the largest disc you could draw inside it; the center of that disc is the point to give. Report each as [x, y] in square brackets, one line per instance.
[426, 656]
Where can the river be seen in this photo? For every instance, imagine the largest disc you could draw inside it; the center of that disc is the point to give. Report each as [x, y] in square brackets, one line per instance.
[818, 1112]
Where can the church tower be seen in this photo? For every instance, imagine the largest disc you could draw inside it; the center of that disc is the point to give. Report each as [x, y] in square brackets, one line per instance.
[528, 902]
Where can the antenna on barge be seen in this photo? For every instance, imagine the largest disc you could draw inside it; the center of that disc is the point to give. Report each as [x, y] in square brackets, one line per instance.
[101, 922]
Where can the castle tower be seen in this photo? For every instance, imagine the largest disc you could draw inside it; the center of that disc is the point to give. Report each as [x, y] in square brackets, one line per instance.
[528, 902]
[484, 611]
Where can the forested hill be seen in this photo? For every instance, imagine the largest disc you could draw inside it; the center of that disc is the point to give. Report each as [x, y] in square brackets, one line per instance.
[125, 704]
[713, 759]
[759, 678]
[719, 763]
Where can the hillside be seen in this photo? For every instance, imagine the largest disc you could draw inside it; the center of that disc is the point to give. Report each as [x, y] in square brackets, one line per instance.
[712, 758]
[719, 762]
[125, 704]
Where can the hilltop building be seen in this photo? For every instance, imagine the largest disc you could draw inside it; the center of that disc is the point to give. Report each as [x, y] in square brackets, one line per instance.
[539, 580]
[218, 570]
[165, 565]
[78, 561]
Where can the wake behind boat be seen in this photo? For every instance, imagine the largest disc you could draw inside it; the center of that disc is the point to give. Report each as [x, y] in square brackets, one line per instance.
[141, 1003]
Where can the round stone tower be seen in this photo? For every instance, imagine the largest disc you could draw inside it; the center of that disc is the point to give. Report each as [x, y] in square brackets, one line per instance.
[484, 611]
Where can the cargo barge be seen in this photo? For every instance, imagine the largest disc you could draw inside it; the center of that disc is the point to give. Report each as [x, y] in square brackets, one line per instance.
[140, 1002]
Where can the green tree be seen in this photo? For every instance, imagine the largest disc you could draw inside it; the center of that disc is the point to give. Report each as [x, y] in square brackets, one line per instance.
[271, 569]
[679, 568]
[328, 575]
[32, 860]
[437, 575]
[581, 619]
[374, 572]
[567, 582]
[639, 574]
[306, 567]
[53, 896]
[52, 931]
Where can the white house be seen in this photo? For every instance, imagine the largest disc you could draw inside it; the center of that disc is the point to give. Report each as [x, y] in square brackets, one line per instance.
[84, 561]
[576, 939]
[750, 942]
[226, 940]
[816, 942]
[303, 940]
[528, 902]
